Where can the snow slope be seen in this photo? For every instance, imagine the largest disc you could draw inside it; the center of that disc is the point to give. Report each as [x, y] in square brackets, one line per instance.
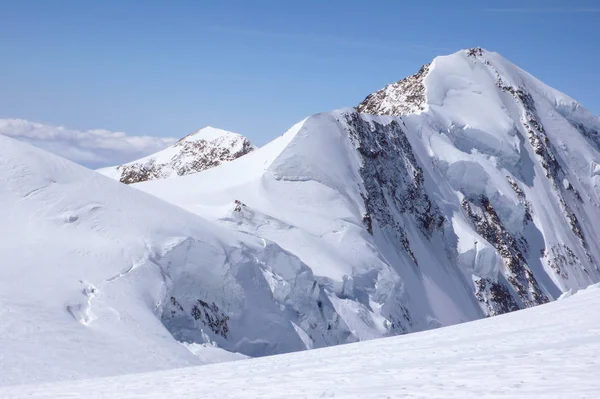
[201, 150]
[98, 279]
[545, 352]
[471, 191]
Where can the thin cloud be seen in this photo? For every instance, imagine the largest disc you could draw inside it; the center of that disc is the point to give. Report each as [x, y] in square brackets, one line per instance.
[545, 10]
[92, 148]
[330, 39]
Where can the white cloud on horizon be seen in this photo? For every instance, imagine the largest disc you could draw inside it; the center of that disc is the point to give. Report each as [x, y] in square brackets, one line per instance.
[92, 148]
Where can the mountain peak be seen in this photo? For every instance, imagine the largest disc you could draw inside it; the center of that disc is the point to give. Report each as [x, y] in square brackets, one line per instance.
[209, 133]
[408, 95]
[477, 168]
[203, 149]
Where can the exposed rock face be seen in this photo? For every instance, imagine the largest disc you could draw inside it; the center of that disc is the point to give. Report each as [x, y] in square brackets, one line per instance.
[561, 258]
[208, 315]
[528, 216]
[590, 133]
[535, 130]
[517, 272]
[201, 150]
[393, 180]
[403, 97]
[495, 296]
[544, 149]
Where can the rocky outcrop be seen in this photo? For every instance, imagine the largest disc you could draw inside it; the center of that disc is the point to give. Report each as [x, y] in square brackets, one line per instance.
[590, 133]
[393, 180]
[194, 153]
[518, 274]
[403, 97]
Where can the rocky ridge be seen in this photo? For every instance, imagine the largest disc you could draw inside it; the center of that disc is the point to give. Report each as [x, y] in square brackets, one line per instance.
[198, 151]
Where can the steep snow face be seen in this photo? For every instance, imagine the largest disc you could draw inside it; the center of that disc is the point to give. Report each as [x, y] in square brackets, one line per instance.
[98, 278]
[521, 158]
[473, 192]
[201, 150]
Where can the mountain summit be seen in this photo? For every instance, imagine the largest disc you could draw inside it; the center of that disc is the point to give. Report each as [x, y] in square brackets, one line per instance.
[467, 190]
[198, 151]
[521, 157]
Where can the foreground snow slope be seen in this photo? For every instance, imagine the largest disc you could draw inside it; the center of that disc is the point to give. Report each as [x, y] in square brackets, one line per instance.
[549, 351]
[201, 150]
[97, 278]
[473, 190]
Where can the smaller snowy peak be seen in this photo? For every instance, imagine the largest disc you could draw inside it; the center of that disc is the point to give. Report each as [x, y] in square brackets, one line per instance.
[198, 151]
[403, 97]
[210, 133]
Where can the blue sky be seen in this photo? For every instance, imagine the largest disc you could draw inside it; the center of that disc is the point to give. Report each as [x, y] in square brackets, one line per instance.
[256, 67]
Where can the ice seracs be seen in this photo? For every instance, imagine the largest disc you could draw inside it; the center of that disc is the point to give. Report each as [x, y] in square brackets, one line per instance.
[198, 151]
[98, 279]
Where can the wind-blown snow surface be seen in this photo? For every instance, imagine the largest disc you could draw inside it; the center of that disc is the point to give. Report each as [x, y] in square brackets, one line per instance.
[201, 150]
[545, 352]
[97, 279]
[479, 196]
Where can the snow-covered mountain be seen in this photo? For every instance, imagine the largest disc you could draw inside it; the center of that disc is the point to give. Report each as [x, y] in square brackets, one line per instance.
[98, 278]
[198, 151]
[549, 351]
[471, 190]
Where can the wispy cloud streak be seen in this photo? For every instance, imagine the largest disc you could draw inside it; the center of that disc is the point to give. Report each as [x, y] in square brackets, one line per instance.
[330, 39]
[545, 10]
